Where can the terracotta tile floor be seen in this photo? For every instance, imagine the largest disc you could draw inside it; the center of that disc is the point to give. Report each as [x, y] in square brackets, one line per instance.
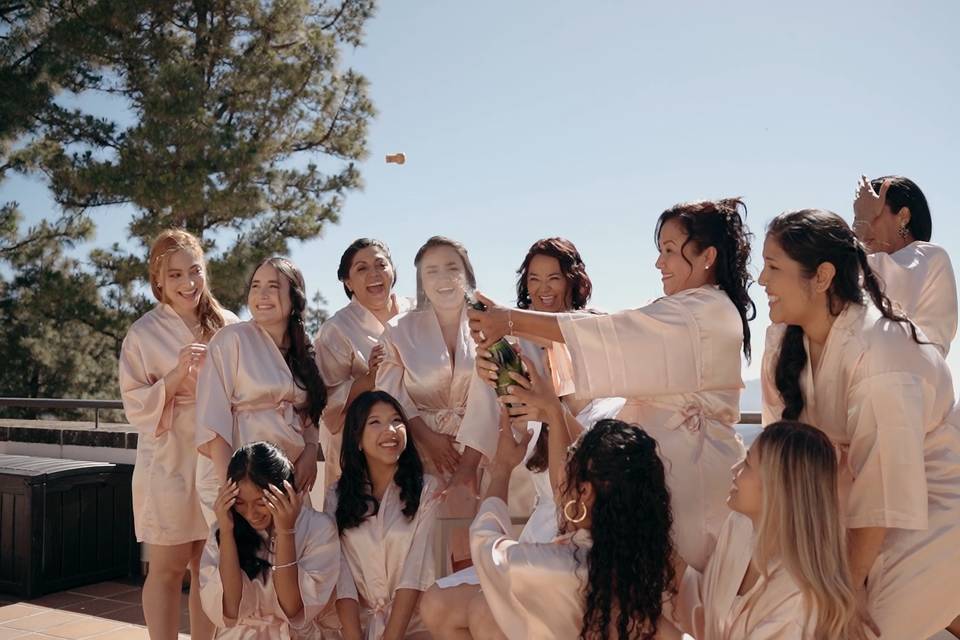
[105, 611]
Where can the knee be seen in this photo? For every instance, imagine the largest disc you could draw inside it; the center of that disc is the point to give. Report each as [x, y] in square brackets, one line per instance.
[432, 608]
[482, 624]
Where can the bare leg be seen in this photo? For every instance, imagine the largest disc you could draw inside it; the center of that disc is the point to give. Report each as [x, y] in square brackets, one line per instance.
[161, 589]
[954, 627]
[200, 626]
[483, 626]
[444, 611]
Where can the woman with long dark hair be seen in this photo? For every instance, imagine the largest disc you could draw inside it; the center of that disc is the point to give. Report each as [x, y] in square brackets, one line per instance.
[261, 380]
[780, 569]
[607, 574]
[839, 355]
[348, 353]
[676, 360]
[552, 278]
[161, 355]
[892, 219]
[427, 366]
[270, 565]
[386, 510]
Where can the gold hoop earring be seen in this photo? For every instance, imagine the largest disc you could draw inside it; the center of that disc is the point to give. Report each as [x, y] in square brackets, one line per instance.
[580, 518]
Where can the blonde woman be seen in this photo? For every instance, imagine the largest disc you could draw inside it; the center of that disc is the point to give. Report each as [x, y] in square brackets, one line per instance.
[780, 567]
[161, 355]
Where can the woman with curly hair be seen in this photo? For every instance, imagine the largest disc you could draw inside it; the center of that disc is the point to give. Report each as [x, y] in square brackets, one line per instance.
[780, 569]
[839, 355]
[676, 360]
[892, 219]
[261, 380]
[607, 573]
[271, 564]
[161, 355]
[386, 511]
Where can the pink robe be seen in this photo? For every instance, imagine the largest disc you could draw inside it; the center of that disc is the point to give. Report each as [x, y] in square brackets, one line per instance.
[385, 553]
[343, 348]
[166, 504]
[920, 279]
[888, 405]
[677, 361]
[533, 590]
[709, 607]
[246, 393]
[260, 615]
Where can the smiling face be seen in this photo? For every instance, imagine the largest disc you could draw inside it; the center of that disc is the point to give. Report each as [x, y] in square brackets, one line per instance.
[384, 435]
[443, 277]
[746, 494]
[269, 296]
[547, 285]
[251, 506]
[184, 280]
[681, 267]
[790, 293]
[371, 277]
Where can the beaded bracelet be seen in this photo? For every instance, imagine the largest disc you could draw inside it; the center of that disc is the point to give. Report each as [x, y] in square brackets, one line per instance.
[286, 531]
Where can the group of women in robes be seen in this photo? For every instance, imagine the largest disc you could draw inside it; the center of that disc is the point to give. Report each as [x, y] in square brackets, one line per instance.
[646, 516]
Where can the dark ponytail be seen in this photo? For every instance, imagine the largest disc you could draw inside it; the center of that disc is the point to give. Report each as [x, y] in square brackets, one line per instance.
[812, 237]
[263, 464]
[718, 224]
[300, 357]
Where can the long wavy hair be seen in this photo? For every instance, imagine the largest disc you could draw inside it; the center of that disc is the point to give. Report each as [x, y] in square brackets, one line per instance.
[579, 286]
[346, 260]
[301, 356]
[800, 523]
[812, 237]
[629, 563]
[263, 464]
[719, 224]
[168, 242]
[904, 192]
[440, 241]
[355, 500]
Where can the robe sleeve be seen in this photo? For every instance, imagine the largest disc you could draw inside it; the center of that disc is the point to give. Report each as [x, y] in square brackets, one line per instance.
[885, 422]
[211, 587]
[144, 395]
[778, 629]
[418, 571]
[937, 307]
[490, 543]
[390, 376]
[318, 568]
[481, 419]
[642, 352]
[689, 603]
[215, 386]
[771, 402]
[335, 359]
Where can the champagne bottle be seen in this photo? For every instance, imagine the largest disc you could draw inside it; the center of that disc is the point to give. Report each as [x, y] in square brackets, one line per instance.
[502, 353]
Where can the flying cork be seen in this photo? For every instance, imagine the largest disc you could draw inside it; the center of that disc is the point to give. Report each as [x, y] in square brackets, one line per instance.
[396, 158]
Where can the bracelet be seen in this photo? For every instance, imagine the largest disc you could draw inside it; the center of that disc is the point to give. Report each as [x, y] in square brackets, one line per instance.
[286, 531]
[509, 323]
[283, 566]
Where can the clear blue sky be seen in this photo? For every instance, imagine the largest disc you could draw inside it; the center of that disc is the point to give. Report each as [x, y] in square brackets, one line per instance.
[528, 119]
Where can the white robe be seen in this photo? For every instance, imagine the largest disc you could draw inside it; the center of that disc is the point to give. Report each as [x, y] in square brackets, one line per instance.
[920, 279]
[534, 590]
[260, 616]
[677, 361]
[388, 552]
[166, 503]
[888, 405]
[710, 608]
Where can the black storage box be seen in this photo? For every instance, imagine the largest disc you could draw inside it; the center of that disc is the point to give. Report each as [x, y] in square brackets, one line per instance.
[64, 523]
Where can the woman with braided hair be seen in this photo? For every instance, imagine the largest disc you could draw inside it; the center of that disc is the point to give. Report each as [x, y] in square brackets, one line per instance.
[839, 356]
[261, 381]
[676, 360]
